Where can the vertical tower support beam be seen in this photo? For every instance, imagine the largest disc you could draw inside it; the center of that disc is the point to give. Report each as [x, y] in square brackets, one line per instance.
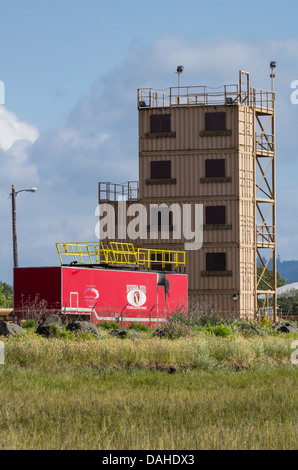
[265, 203]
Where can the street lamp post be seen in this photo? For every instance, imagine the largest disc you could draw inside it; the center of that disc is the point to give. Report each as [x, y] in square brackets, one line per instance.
[14, 220]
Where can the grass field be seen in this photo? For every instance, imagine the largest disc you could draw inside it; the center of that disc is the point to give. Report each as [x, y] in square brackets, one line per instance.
[192, 393]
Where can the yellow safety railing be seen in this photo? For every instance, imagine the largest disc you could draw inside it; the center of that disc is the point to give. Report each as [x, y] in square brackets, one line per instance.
[82, 253]
[116, 253]
[124, 253]
[151, 258]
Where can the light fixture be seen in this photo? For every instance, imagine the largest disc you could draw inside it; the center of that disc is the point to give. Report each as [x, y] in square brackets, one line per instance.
[30, 190]
[235, 297]
[13, 195]
[179, 72]
[272, 75]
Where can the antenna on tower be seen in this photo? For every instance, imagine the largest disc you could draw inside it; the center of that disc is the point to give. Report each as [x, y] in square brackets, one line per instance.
[179, 72]
[272, 75]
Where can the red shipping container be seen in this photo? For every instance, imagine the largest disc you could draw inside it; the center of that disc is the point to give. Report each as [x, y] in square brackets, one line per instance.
[101, 294]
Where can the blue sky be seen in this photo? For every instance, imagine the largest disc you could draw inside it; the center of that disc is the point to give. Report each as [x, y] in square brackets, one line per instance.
[71, 70]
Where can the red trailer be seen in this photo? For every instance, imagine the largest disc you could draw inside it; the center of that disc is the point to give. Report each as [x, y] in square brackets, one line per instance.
[99, 293]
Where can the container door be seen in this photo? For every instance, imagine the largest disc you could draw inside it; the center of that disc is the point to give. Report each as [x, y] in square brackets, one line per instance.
[74, 300]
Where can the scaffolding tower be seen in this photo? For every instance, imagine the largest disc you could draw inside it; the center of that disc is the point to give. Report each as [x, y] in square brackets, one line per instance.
[216, 148]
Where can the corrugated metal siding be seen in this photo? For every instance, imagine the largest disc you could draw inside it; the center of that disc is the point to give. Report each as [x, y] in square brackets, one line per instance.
[247, 258]
[187, 152]
[188, 169]
[228, 234]
[246, 129]
[188, 123]
[196, 265]
[220, 302]
[223, 304]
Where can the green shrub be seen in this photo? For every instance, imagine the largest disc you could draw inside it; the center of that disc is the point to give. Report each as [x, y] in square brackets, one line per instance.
[203, 314]
[64, 333]
[84, 335]
[108, 325]
[55, 332]
[218, 330]
[6, 295]
[173, 328]
[182, 318]
[32, 324]
[139, 326]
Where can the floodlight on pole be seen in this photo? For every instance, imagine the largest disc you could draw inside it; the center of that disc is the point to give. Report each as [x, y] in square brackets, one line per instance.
[179, 72]
[272, 75]
[13, 195]
[30, 190]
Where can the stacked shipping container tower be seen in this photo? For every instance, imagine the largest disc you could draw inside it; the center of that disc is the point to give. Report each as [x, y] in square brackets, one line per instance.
[215, 150]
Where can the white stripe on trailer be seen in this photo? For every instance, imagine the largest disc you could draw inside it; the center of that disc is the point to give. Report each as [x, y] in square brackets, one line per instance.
[74, 309]
[89, 311]
[131, 319]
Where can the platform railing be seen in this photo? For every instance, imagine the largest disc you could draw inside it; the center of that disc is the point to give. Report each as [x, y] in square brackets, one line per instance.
[265, 235]
[151, 258]
[188, 96]
[128, 191]
[264, 142]
[262, 100]
[118, 254]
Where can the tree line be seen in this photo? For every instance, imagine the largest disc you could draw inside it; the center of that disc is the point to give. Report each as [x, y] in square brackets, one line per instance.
[6, 295]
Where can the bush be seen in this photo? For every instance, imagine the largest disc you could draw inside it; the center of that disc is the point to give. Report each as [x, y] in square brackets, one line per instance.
[174, 327]
[139, 326]
[32, 324]
[6, 295]
[35, 309]
[64, 333]
[182, 318]
[219, 330]
[108, 325]
[203, 314]
[82, 335]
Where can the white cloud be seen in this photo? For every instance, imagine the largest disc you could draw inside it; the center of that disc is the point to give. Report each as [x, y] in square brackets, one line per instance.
[77, 139]
[16, 140]
[14, 130]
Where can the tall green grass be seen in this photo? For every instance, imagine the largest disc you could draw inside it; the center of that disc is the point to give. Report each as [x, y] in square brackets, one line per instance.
[197, 352]
[199, 392]
[148, 410]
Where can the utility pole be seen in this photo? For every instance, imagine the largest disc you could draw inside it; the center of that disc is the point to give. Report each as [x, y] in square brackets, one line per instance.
[14, 220]
[14, 226]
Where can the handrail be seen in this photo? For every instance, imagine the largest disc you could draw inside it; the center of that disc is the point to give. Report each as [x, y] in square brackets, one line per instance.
[114, 192]
[118, 254]
[205, 96]
[264, 141]
[190, 96]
